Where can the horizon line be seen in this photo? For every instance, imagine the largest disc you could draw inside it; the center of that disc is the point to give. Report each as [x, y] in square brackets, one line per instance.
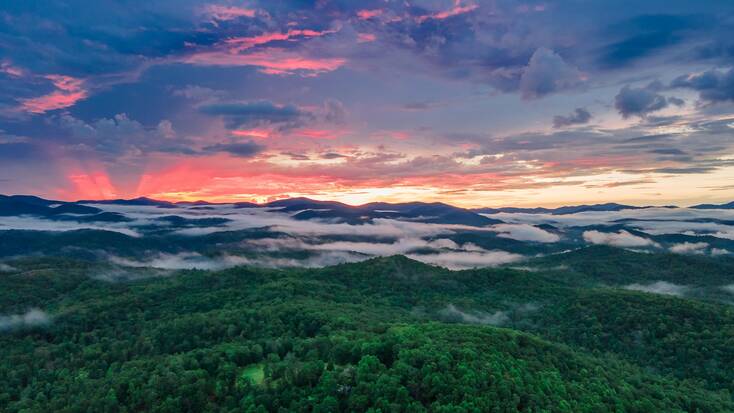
[204, 201]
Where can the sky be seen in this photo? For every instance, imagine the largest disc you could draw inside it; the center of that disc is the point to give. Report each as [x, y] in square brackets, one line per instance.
[469, 102]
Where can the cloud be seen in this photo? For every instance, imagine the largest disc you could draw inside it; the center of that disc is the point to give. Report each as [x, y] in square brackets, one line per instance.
[110, 138]
[369, 14]
[241, 149]
[639, 101]
[226, 13]
[689, 248]
[7, 268]
[447, 253]
[459, 260]
[181, 261]
[497, 318]
[547, 73]
[239, 114]
[456, 10]
[644, 35]
[68, 91]
[619, 239]
[31, 318]
[525, 232]
[716, 252]
[334, 111]
[270, 61]
[660, 287]
[193, 260]
[579, 116]
[714, 85]
[30, 223]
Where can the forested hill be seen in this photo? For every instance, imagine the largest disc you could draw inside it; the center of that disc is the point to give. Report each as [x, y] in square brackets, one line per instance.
[387, 334]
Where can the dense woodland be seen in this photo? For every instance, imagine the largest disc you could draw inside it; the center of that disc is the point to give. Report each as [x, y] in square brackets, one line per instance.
[384, 335]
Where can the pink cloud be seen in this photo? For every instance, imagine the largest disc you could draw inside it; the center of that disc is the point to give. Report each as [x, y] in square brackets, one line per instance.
[252, 133]
[225, 13]
[454, 11]
[10, 70]
[239, 44]
[315, 133]
[270, 61]
[68, 91]
[366, 37]
[368, 14]
[237, 51]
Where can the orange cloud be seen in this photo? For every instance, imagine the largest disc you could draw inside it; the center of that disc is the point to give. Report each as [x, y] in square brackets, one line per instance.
[68, 91]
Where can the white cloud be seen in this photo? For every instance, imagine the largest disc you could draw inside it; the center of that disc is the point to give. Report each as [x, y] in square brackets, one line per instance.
[659, 287]
[617, 239]
[497, 318]
[182, 261]
[193, 260]
[689, 248]
[460, 260]
[715, 252]
[7, 268]
[525, 232]
[31, 318]
[31, 223]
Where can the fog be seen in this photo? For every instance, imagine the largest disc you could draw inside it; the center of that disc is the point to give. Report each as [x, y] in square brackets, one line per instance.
[432, 243]
[31, 318]
[495, 319]
[617, 239]
[660, 287]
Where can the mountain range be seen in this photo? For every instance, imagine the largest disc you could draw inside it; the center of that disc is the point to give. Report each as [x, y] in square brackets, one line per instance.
[307, 209]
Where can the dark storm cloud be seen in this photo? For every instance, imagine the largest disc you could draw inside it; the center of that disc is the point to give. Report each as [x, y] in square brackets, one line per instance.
[579, 116]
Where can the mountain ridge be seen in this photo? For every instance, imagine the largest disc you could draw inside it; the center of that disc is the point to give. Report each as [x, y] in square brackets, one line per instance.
[298, 204]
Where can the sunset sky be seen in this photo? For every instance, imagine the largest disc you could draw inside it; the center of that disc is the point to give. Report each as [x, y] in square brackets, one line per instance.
[469, 102]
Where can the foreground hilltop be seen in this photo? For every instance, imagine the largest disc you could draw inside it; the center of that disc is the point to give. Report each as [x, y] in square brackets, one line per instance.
[388, 333]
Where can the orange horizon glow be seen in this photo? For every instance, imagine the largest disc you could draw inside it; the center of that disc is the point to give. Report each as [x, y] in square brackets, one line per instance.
[192, 181]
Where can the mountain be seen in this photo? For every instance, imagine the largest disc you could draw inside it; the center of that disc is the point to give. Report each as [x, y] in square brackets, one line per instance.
[390, 334]
[436, 212]
[141, 201]
[31, 205]
[564, 210]
[28, 199]
[729, 205]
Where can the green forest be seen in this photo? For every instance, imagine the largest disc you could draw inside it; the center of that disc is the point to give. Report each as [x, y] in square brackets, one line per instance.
[560, 334]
